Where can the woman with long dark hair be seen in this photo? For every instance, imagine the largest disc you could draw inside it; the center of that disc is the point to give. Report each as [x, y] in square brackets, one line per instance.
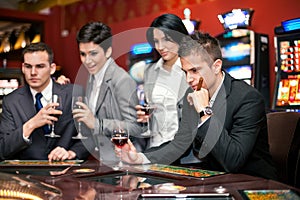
[164, 81]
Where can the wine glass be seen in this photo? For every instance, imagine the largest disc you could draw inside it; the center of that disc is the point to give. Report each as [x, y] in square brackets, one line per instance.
[76, 99]
[55, 99]
[119, 137]
[148, 108]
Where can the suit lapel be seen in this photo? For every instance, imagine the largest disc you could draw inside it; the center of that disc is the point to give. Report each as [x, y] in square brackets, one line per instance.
[89, 87]
[26, 102]
[183, 88]
[105, 84]
[57, 89]
[223, 93]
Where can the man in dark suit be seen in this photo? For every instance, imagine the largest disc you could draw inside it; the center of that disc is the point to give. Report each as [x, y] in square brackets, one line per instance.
[23, 126]
[224, 122]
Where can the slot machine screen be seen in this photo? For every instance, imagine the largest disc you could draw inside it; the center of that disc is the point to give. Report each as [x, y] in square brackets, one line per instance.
[140, 55]
[288, 93]
[237, 18]
[243, 72]
[287, 88]
[236, 51]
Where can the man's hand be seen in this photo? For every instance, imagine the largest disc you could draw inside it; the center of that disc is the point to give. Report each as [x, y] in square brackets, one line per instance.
[200, 99]
[129, 154]
[60, 154]
[44, 116]
[85, 115]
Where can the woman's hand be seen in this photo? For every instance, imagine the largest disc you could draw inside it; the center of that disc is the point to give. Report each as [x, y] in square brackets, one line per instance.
[85, 115]
[141, 117]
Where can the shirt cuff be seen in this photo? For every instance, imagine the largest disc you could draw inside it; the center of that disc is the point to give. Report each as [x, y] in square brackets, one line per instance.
[145, 159]
[202, 122]
[26, 139]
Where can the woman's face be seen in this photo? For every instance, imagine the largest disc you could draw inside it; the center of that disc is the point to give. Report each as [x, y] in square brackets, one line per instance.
[92, 56]
[166, 47]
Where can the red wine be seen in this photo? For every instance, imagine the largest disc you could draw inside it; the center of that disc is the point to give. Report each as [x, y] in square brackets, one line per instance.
[147, 109]
[119, 141]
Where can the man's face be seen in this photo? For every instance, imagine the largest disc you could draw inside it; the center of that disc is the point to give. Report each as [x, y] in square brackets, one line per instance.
[37, 70]
[93, 56]
[195, 67]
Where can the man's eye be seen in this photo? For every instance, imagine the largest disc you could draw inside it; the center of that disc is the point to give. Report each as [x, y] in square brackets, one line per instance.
[82, 54]
[40, 66]
[194, 70]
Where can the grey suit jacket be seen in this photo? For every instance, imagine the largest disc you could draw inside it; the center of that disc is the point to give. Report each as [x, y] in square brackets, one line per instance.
[234, 139]
[18, 108]
[115, 108]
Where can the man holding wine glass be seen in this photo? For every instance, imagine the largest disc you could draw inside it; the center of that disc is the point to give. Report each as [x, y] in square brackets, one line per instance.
[29, 111]
[224, 123]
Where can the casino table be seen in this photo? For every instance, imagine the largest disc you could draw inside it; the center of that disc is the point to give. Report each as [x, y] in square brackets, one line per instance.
[94, 180]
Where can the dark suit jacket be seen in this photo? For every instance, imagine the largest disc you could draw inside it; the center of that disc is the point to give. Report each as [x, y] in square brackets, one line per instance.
[234, 139]
[18, 108]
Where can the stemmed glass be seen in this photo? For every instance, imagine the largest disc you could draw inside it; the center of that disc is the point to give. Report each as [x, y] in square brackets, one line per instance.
[76, 99]
[55, 99]
[119, 137]
[148, 108]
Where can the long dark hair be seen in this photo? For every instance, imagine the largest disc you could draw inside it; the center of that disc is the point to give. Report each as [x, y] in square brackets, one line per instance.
[171, 25]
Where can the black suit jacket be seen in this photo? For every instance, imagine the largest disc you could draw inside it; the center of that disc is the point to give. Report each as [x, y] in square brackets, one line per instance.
[18, 108]
[234, 139]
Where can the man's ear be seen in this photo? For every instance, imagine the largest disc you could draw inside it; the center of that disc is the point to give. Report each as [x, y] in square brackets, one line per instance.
[217, 66]
[23, 66]
[52, 68]
[108, 52]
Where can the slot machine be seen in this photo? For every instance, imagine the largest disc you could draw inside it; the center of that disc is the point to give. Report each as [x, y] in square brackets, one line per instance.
[287, 83]
[245, 52]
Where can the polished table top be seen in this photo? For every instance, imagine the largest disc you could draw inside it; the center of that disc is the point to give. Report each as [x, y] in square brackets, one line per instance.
[93, 180]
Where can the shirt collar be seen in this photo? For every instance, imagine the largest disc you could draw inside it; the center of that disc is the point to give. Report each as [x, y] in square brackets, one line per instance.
[47, 92]
[100, 75]
[160, 63]
[213, 98]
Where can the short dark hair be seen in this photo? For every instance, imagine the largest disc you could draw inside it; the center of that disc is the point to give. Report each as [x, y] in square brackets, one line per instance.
[171, 25]
[96, 32]
[201, 43]
[40, 46]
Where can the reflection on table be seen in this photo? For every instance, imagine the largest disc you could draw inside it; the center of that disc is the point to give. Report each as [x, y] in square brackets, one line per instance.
[93, 180]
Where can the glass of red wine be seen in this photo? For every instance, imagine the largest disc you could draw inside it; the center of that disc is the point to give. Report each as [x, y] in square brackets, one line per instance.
[76, 99]
[55, 99]
[119, 138]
